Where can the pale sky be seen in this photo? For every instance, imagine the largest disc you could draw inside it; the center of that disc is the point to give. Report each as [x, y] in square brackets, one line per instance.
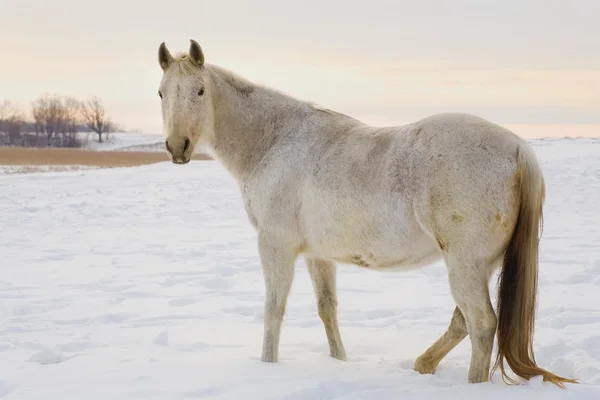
[531, 65]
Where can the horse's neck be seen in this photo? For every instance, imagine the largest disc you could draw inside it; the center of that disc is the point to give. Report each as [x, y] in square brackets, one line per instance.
[248, 121]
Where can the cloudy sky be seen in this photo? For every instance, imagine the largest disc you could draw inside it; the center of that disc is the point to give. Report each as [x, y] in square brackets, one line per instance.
[532, 65]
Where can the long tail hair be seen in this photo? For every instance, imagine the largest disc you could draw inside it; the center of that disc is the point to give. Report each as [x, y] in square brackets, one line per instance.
[518, 279]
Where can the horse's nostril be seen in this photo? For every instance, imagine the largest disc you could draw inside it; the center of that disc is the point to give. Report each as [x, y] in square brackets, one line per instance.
[186, 144]
[168, 147]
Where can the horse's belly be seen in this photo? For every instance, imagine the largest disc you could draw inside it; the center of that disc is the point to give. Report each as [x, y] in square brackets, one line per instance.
[400, 261]
[373, 241]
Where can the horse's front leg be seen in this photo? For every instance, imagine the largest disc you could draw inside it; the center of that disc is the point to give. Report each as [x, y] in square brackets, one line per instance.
[277, 257]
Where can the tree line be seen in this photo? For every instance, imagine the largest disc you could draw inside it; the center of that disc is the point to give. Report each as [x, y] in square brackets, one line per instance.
[54, 121]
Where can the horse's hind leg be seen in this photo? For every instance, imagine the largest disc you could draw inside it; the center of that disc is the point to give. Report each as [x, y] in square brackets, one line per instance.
[469, 287]
[457, 331]
[323, 276]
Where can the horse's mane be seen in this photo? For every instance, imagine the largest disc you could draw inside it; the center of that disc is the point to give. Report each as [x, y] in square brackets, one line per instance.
[317, 107]
[245, 86]
[240, 84]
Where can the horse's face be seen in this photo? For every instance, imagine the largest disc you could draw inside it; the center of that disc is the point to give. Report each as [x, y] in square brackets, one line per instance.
[185, 101]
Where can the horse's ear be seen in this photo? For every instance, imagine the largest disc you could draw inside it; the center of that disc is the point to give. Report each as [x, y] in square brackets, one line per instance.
[196, 53]
[164, 56]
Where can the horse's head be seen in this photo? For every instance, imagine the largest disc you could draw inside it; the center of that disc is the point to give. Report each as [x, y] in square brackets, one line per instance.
[185, 101]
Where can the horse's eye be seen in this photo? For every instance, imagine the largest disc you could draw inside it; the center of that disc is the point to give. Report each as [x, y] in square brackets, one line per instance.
[201, 92]
[159, 94]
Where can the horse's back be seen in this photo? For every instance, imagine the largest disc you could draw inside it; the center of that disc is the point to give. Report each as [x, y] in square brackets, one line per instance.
[405, 190]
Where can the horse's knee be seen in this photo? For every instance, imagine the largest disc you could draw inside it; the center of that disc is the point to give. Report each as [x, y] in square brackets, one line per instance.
[488, 326]
[326, 307]
[488, 323]
[458, 326]
[483, 328]
[274, 309]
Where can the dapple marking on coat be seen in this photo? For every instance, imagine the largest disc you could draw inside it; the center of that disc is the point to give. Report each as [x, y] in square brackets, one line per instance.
[322, 185]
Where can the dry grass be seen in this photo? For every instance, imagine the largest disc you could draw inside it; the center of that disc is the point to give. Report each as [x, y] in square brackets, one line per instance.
[46, 156]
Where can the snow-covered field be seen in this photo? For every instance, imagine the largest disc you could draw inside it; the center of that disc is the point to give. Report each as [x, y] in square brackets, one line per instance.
[125, 141]
[144, 283]
[27, 169]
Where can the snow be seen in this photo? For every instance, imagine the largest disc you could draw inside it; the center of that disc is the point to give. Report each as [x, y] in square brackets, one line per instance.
[129, 283]
[27, 169]
[125, 141]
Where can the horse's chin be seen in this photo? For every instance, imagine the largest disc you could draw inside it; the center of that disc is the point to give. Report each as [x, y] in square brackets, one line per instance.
[181, 161]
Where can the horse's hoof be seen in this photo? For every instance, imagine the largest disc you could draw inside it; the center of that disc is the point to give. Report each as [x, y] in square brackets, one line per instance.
[424, 367]
[341, 357]
[268, 359]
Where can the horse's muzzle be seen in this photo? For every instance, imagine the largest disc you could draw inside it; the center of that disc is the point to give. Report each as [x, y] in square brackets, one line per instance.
[179, 150]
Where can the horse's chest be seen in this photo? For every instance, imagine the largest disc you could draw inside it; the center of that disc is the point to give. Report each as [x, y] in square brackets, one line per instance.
[267, 211]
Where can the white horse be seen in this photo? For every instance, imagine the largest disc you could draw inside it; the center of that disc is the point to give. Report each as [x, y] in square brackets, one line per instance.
[322, 185]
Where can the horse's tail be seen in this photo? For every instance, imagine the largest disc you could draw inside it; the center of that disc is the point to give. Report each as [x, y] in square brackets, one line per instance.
[518, 279]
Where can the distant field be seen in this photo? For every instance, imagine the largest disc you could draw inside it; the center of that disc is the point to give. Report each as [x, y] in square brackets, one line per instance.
[45, 156]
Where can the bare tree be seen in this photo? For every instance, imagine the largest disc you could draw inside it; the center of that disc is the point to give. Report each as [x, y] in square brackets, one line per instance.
[112, 127]
[58, 118]
[48, 113]
[94, 116]
[72, 108]
[38, 112]
[11, 121]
